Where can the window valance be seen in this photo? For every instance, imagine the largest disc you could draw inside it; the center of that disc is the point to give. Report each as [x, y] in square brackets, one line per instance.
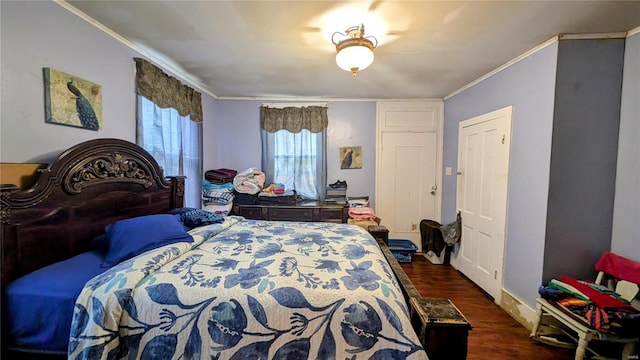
[294, 119]
[167, 91]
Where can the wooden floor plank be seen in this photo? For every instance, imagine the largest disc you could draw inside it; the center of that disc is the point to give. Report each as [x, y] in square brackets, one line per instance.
[495, 334]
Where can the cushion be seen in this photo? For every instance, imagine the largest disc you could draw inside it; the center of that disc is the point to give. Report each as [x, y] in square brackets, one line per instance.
[132, 237]
[192, 217]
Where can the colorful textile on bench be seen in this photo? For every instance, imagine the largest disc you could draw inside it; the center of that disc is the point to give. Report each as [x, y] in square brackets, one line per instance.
[600, 299]
[620, 320]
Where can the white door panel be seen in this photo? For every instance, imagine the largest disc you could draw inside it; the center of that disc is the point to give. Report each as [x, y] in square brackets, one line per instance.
[408, 165]
[409, 160]
[483, 169]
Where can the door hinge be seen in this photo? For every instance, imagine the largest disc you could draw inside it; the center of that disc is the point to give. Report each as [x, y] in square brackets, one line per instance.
[495, 274]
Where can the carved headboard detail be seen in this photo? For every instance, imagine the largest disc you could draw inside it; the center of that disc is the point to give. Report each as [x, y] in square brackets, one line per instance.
[110, 167]
[87, 187]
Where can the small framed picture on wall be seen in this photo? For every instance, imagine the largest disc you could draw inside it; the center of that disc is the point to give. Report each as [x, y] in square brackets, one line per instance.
[72, 101]
[351, 157]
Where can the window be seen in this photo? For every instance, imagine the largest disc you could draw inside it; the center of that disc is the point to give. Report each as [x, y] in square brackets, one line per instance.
[293, 149]
[175, 142]
[170, 126]
[296, 161]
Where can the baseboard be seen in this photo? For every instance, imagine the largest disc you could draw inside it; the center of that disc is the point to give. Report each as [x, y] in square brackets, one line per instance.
[522, 313]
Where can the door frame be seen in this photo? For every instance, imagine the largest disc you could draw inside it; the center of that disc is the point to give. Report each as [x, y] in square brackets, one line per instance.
[508, 112]
[436, 106]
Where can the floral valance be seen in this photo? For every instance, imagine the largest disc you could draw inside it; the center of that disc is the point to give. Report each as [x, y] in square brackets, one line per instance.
[167, 91]
[294, 119]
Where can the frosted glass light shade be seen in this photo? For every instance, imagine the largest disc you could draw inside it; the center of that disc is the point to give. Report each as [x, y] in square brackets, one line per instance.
[354, 58]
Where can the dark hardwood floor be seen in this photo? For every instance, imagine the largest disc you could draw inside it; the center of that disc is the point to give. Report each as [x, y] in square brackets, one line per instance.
[495, 334]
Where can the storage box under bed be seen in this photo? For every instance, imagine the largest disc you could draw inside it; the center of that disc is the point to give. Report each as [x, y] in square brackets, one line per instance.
[402, 250]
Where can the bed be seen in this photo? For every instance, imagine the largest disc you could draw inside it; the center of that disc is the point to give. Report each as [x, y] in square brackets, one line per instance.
[233, 288]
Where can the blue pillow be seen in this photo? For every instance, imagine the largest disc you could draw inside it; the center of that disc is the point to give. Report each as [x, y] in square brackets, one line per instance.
[100, 242]
[132, 237]
[192, 217]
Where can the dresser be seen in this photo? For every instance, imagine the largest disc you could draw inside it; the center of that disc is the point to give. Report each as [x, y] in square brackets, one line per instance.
[302, 211]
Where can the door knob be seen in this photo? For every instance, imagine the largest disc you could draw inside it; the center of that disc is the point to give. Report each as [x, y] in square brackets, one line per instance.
[434, 187]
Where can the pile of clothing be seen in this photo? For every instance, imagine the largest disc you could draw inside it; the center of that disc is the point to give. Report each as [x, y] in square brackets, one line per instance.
[358, 201]
[274, 189]
[336, 193]
[220, 176]
[599, 306]
[249, 181]
[247, 185]
[363, 216]
[275, 194]
[217, 198]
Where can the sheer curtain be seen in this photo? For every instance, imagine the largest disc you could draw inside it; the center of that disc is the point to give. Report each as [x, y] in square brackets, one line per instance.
[294, 149]
[174, 141]
[169, 126]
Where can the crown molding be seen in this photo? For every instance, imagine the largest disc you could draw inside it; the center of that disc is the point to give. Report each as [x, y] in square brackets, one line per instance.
[178, 72]
[504, 66]
[325, 100]
[614, 35]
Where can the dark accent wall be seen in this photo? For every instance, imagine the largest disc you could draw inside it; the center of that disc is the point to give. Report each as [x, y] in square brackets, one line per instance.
[583, 156]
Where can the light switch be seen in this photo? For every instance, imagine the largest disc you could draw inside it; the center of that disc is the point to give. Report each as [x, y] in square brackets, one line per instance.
[447, 171]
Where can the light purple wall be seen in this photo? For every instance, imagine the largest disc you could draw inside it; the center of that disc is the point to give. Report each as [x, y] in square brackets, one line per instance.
[34, 35]
[353, 124]
[236, 144]
[528, 86]
[233, 137]
[626, 212]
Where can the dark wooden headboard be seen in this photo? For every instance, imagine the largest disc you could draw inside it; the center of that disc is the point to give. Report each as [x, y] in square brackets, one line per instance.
[87, 187]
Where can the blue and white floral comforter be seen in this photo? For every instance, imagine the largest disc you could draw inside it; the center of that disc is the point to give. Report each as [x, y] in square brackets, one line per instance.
[248, 289]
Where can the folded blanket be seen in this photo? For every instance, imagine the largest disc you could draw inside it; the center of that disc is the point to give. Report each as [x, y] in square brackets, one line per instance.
[363, 223]
[274, 189]
[362, 213]
[220, 176]
[207, 185]
[602, 300]
[567, 288]
[221, 197]
[222, 210]
[249, 181]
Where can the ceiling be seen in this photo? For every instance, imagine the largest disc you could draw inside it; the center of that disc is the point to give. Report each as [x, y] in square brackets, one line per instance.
[283, 49]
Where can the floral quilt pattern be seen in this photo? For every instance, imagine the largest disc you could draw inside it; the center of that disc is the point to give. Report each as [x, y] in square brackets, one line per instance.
[247, 289]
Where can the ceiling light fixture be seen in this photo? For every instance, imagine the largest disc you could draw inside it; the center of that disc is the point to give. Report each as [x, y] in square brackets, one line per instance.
[355, 51]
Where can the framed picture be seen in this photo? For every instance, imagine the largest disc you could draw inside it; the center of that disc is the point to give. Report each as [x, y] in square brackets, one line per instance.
[72, 101]
[351, 157]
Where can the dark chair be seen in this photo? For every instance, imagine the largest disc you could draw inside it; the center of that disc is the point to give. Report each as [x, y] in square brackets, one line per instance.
[432, 240]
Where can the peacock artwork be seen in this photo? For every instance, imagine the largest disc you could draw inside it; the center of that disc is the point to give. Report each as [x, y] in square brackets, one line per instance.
[72, 101]
[351, 157]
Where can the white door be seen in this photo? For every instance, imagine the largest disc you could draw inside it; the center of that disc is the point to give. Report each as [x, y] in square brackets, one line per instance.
[408, 166]
[483, 174]
[406, 195]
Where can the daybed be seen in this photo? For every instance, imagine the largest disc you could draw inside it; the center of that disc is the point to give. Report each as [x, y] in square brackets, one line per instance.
[232, 289]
